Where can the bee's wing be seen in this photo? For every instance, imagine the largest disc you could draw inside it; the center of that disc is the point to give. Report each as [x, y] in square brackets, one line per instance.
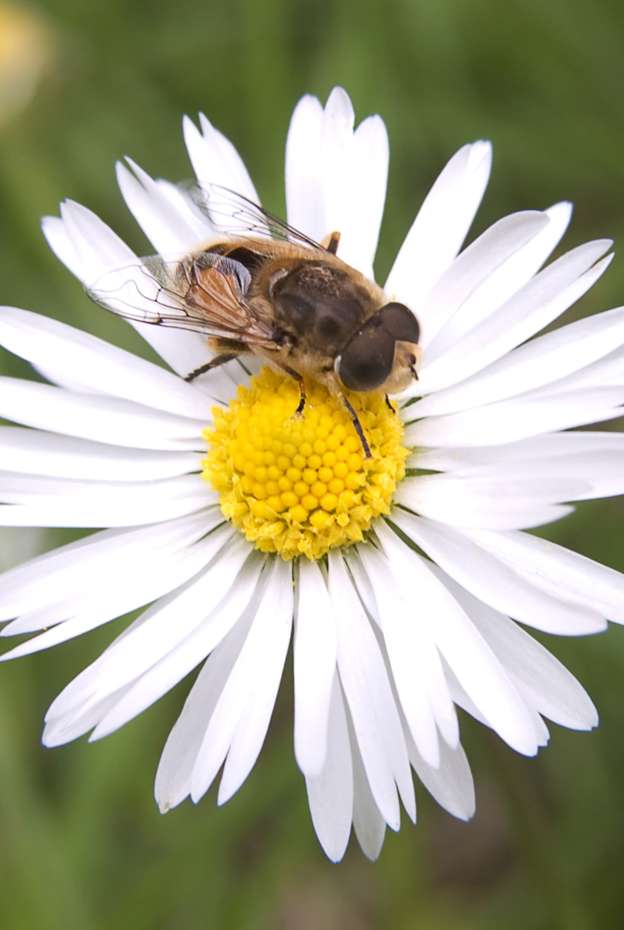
[238, 217]
[203, 293]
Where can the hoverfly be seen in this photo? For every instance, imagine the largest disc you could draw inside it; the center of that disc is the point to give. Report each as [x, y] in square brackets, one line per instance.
[262, 287]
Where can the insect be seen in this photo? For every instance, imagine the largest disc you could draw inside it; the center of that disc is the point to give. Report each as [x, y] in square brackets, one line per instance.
[262, 287]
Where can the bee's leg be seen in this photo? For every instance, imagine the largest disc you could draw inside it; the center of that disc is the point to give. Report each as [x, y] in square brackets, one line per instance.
[213, 363]
[389, 403]
[357, 425]
[302, 393]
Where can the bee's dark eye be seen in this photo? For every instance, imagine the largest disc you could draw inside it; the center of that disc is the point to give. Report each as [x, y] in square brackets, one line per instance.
[366, 362]
[368, 358]
[400, 322]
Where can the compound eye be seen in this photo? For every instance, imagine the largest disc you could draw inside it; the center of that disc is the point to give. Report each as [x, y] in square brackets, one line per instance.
[366, 362]
[400, 322]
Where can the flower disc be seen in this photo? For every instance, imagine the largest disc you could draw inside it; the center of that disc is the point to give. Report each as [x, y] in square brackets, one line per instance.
[301, 484]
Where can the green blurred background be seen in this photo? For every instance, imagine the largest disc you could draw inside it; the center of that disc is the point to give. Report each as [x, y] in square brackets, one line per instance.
[82, 846]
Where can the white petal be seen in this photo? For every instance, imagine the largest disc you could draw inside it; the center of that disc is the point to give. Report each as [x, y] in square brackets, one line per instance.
[497, 584]
[545, 684]
[166, 220]
[170, 670]
[90, 249]
[508, 278]
[314, 658]
[541, 361]
[36, 452]
[335, 177]
[472, 270]
[330, 792]
[80, 566]
[533, 307]
[548, 446]
[162, 627]
[242, 713]
[57, 732]
[513, 420]
[304, 198]
[499, 502]
[552, 568]
[252, 728]
[96, 365]
[30, 500]
[441, 225]
[368, 821]
[103, 419]
[409, 653]
[173, 778]
[369, 697]
[450, 783]
[477, 668]
[215, 160]
[418, 645]
[133, 588]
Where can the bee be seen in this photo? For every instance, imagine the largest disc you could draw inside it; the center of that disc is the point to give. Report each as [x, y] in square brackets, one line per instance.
[262, 287]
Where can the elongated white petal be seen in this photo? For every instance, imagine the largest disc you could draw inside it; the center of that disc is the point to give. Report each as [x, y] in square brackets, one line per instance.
[162, 627]
[487, 578]
[468, 654]
[173, 777]
[29, 500]
[242, 713]
[90, 249]
[335, 177]
[450, 783]
[166, 220]
[493, 502]
[177, 664]
[215, 160]
[136, 588]
[96, 365]
[506, 280]
[473, 269]
[304, 199]
[409, 652]
[63, 730]
[513, 420]
[542, 361]
[81, 565]
[538, 303]
[35, 452]
[545, 447]
[371, 703]
[552, 568]
[330, 792]
[314, 668]
[368, 820]
[103, 419]
[418, 644]
[441, 225]
[545, 684]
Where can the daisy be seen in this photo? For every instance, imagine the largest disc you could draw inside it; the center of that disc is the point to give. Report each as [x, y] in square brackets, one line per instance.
[406, 579]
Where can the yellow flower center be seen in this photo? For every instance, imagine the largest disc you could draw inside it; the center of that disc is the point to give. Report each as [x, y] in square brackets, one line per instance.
[301, 484]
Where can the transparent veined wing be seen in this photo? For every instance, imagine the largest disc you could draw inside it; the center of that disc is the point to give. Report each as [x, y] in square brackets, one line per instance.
[235, 216]
[203, 293]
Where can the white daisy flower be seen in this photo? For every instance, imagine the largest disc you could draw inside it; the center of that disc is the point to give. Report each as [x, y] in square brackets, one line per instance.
[405, 579]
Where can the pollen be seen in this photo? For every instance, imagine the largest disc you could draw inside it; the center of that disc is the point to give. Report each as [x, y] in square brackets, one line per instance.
[300, 484]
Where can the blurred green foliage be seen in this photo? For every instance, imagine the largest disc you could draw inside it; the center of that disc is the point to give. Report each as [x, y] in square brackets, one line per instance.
[82, 846]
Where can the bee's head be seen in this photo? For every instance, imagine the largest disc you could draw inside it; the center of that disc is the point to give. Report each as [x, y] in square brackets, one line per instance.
[383, 353]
